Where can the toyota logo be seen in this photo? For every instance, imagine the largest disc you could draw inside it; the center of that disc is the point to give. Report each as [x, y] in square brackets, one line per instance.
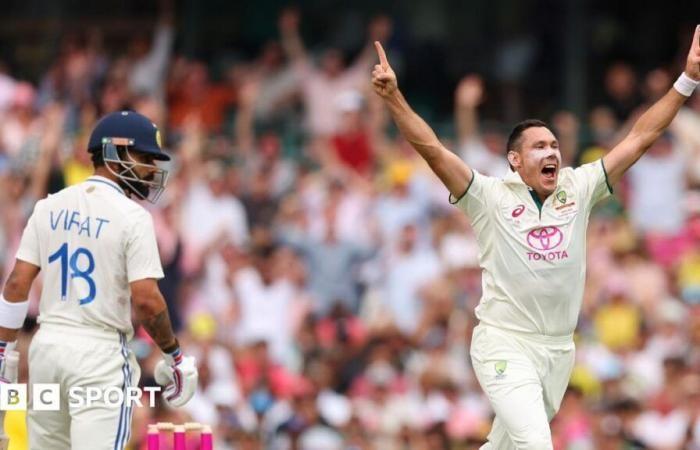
[545, 238]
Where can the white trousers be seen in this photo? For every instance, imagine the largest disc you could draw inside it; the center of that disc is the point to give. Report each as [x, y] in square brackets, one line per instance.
[82, 359]
[525, 377]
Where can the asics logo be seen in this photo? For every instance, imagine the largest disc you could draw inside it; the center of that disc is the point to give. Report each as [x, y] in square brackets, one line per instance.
[518, 211]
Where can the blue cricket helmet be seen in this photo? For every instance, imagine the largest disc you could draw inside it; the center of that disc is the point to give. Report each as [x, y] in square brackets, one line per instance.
[141, 134]
[117, 136]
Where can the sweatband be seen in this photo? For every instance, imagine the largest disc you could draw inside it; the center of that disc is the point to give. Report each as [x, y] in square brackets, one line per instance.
[12, 314]
[171, 348]
[685, 85]
[175, 358]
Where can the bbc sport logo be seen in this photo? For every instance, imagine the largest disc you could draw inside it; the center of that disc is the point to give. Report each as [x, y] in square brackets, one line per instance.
[47, 397]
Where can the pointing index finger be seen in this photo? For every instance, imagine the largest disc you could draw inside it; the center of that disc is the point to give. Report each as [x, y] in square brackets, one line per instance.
[382, 55]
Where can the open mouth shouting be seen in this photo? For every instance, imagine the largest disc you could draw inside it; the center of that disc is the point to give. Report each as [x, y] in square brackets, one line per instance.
[549, 172]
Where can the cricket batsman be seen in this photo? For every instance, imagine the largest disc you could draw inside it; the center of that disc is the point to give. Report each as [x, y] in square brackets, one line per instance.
[531, 230]
[96, 248]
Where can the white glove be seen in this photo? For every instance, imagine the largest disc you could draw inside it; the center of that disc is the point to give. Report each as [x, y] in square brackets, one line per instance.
[179, 376]
[9, 367]
[9, 364]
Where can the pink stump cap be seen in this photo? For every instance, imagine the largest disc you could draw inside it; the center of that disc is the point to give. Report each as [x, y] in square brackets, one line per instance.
[206, 440]
[179, 438]
[152, 439]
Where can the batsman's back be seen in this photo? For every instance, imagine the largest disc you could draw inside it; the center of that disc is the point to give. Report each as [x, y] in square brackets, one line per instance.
[90, 241]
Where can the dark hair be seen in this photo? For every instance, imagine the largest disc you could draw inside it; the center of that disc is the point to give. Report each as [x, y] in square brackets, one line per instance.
[515, 135]
[97, 158]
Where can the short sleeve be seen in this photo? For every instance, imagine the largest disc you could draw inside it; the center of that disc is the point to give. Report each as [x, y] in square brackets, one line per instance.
[593, 180]
[478, 197]
[28, 250]
[142, 257]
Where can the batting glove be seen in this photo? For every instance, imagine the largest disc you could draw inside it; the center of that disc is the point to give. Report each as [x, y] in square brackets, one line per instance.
[179, 375]
[9, 362]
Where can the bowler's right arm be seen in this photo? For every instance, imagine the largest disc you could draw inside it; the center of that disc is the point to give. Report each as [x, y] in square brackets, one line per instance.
[455, 174]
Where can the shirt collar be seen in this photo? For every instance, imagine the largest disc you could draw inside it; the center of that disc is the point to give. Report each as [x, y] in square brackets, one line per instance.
[107, 181]
[513, 177]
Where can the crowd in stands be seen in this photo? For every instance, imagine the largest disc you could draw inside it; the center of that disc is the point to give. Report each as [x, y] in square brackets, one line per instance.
[316, 270]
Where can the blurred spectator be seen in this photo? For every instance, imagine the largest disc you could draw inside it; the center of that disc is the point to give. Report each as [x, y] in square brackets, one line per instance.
[483, 150]
[322, 85]
[352, 141]
[689, 277]
[404, 204]
[268, 306]
[77, 165]
[618, 321]
[192, 96]
[75, 76]
[275, 84]
[665, 414]
[410, 269]
[669, 339]
[7, 88]
[329, 260]
[261, 207]
[686, 130]
[19, 131]
[658, 207]
[573, 423]
[220, 396]
[621, 90]
[149, 65]
[211, 214]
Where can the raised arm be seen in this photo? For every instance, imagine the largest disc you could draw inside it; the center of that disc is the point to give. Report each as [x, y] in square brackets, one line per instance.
[451, 170]
[468, 97]
[656, 119]
[291, 41]
[163, 38]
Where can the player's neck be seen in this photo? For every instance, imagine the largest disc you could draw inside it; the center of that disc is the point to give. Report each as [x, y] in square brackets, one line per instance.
[542, 196]
[104, 172]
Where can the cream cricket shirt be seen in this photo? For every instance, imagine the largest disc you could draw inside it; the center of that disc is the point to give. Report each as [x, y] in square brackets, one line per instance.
[533, 256]
[90, 242]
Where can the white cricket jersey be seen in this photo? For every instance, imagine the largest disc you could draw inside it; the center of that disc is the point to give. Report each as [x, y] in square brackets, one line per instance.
[533, 261]
[90, 241]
